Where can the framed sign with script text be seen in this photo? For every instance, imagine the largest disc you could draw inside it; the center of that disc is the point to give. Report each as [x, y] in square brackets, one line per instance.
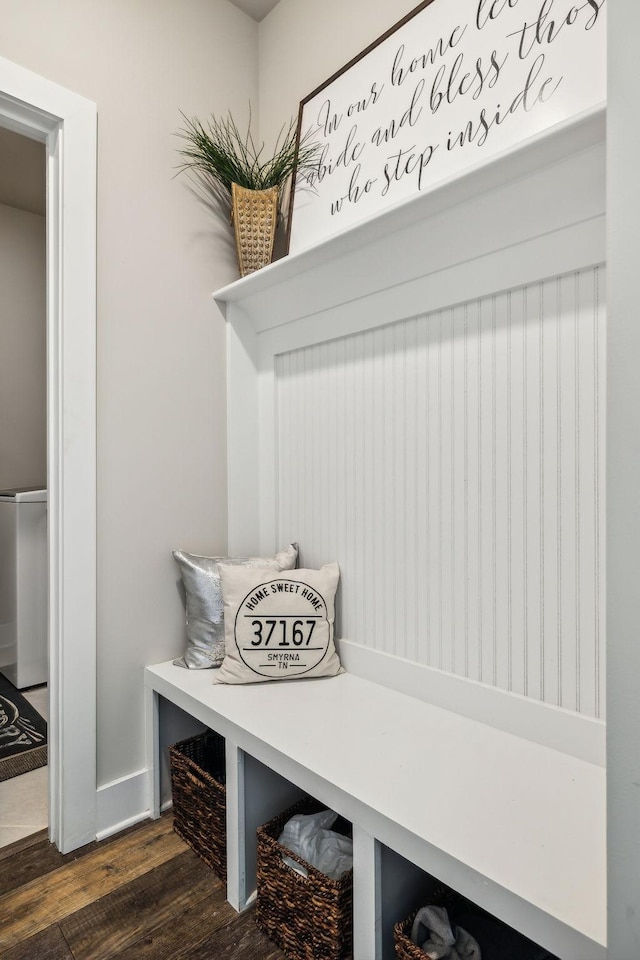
[450, 85]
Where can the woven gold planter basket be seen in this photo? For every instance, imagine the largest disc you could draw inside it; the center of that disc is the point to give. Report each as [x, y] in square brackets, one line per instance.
[254, 214]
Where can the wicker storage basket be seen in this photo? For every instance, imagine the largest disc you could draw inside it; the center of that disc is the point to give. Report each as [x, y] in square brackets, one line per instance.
[309, 918]
[454, 902]
[406, 949]
[199, 797]
[254, 214]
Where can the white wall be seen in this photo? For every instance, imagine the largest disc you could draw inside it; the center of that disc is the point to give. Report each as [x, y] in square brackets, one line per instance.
[161, 354]
[23, 460]
[22, 172]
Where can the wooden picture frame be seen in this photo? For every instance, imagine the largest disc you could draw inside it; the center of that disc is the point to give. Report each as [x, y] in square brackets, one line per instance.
[449, 86]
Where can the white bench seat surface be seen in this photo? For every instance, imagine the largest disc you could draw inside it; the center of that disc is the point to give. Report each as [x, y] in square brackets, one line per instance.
[524, 816]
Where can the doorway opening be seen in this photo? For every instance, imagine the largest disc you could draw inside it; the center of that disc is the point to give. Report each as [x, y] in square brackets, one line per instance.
[65, 123]
[23, 487]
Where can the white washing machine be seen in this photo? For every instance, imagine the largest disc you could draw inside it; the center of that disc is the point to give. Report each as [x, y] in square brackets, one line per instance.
[23, 586]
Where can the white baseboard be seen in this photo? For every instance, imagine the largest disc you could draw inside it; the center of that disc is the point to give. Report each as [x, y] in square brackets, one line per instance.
[121, 803]
[571, 733]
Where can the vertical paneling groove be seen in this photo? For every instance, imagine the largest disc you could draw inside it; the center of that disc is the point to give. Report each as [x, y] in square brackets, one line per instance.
[517, 509]
[578, 497]
[325, 506]
[450, 663]
[525, 493]
[281, 431]
[331, 433]
[342, 461]
[423, 599]
[542, 518]
[394, 612]
[598, 532]
[494, 515]
[559, 574]
[410, 490]
[401, 535]
[473, 492]
[438, 501]
[534, 591]
[361, 486]
[480, 565]
[377, 520]
[509, 506]
[466, 491]
[452, 464]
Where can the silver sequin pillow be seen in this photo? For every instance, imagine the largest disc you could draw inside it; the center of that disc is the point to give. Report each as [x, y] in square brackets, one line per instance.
[204, 603]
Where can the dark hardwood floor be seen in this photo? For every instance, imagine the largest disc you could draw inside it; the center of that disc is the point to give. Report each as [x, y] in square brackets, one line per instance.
[141, 894]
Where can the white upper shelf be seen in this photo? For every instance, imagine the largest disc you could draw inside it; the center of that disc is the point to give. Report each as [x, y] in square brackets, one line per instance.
[365, 248]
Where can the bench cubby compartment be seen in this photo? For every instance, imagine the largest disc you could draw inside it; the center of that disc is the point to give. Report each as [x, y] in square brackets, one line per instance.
[264, 794]
[404, 889]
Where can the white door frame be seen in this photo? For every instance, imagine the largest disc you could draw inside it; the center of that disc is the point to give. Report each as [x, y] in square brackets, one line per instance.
[67, 124]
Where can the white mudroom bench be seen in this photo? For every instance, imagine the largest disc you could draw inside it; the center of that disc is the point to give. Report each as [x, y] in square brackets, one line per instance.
[421, 398]
[517, 826]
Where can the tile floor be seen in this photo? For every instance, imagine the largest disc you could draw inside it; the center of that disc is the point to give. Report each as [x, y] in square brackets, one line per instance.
[24, 800]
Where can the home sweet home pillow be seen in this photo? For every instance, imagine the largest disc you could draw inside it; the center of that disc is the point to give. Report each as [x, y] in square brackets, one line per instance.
[204, 604]
[278, 626]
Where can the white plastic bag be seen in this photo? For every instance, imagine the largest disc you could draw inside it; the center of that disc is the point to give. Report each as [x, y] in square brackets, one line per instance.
[308, 836]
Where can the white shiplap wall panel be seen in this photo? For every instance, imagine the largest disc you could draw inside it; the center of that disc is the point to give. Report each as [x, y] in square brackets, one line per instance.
[452, 463]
